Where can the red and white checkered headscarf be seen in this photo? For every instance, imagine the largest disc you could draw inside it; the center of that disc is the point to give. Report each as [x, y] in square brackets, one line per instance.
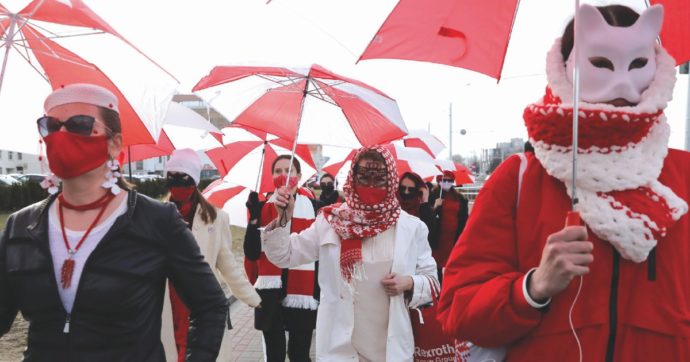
[354, 220]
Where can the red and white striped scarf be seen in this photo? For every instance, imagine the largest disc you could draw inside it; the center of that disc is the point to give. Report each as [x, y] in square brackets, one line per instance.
[300, 280]
[621, 153]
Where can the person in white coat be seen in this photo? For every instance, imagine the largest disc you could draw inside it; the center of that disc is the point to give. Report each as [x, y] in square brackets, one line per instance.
[211, 229]
[375, 264]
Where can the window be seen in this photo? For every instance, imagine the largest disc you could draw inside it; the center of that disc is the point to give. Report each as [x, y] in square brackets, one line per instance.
[0, 155]
[9, 155]
[160, 159]
[140, 165]
[19, 156]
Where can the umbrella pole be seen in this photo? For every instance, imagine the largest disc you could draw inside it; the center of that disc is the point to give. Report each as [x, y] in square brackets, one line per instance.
[283, 217]
[261, 166]
[576, 112]
[129, 161]
[299, 123]
[8, 46]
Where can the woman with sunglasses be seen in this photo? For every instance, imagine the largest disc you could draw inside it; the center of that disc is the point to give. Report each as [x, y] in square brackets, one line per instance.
[87, 267]
[375, 263]
[211, 229]
[413, 196]
[329, 194]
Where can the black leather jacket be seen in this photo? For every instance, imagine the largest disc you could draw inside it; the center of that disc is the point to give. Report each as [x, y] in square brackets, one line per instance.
[117, 310]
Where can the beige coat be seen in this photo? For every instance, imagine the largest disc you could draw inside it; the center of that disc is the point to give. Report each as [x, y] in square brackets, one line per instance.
[214, 241]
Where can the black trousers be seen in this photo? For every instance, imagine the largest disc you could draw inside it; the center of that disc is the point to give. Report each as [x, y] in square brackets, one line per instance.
[298, 345]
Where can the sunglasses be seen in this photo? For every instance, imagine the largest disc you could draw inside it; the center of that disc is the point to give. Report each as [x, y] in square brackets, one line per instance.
[408, 189]
[79, 124]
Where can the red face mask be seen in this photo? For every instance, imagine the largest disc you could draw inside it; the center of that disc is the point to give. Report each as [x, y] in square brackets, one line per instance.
[181, 193]
[371, 195]
[71, 155]
[280, 180]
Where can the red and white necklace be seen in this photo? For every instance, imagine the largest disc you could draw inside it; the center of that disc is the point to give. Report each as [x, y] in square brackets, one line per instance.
[68, 265]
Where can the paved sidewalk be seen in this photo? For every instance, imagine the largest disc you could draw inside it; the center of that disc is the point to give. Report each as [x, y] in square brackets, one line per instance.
[245, 339]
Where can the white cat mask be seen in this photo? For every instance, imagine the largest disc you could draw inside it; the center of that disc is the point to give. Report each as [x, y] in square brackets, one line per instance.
[615, 62]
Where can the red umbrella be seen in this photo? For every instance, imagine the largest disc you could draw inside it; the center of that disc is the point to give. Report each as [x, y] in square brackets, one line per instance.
[475, 34]
[182, 128]
[229, 197]
[425, 141]
[42, 35]
[247, 157]
[330, 108]
[463, 175]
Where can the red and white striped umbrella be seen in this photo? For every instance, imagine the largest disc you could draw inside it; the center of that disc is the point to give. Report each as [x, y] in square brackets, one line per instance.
[230, 198]
[51, 43]
[314, 105]
[247, 157]
[425, 141]
[182, 128]
[408, 159]
[463, 175]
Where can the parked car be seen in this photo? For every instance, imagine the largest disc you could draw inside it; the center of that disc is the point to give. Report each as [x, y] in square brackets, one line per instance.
[31, 177]
[6, 180]
[15, 176]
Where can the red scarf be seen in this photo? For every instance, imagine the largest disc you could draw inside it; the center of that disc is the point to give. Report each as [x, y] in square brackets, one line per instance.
[620, 156]
[354, 220]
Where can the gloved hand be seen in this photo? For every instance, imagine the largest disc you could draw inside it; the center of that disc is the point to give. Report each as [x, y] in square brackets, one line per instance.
[253, 206]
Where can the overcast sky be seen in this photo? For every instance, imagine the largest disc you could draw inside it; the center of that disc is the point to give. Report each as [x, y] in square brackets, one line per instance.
[188, 38]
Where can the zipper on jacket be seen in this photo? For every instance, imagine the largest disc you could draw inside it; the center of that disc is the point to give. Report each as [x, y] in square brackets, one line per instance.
[66, 328]
[613, 307]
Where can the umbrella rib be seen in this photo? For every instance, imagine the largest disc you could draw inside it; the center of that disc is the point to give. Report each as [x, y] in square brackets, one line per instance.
[57, 56]
[322, 96]
[54, 35]
[53, 54]
[31, 64]
[23, 42]
[289, 80]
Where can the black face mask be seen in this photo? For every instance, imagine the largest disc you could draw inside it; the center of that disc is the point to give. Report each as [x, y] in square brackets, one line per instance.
[407, 196]
[327, 188]
[179, 180]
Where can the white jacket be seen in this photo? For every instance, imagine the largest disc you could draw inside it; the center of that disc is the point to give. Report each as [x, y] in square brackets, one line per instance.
[215, 242]
[335, 319]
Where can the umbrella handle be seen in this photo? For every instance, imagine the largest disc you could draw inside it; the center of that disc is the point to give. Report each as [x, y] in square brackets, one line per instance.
[573, 219]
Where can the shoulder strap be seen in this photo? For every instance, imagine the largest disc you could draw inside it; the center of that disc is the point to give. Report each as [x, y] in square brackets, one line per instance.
[521, 174]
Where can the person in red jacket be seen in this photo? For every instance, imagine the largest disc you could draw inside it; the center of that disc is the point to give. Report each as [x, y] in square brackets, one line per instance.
[513, 277]
[451, 216]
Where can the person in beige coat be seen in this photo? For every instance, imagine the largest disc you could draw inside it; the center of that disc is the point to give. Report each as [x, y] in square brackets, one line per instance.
[211, 228]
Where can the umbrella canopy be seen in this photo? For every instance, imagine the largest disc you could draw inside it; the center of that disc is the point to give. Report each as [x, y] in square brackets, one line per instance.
[51, 43]
[475, 34]
[230, 198]
[408, 159]
[463, 175]
[247, 157]
[425, 141]
[182, 128]
[324, 107]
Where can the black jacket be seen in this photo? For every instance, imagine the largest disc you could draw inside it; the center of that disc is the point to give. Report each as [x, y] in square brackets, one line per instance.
[117, 311]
